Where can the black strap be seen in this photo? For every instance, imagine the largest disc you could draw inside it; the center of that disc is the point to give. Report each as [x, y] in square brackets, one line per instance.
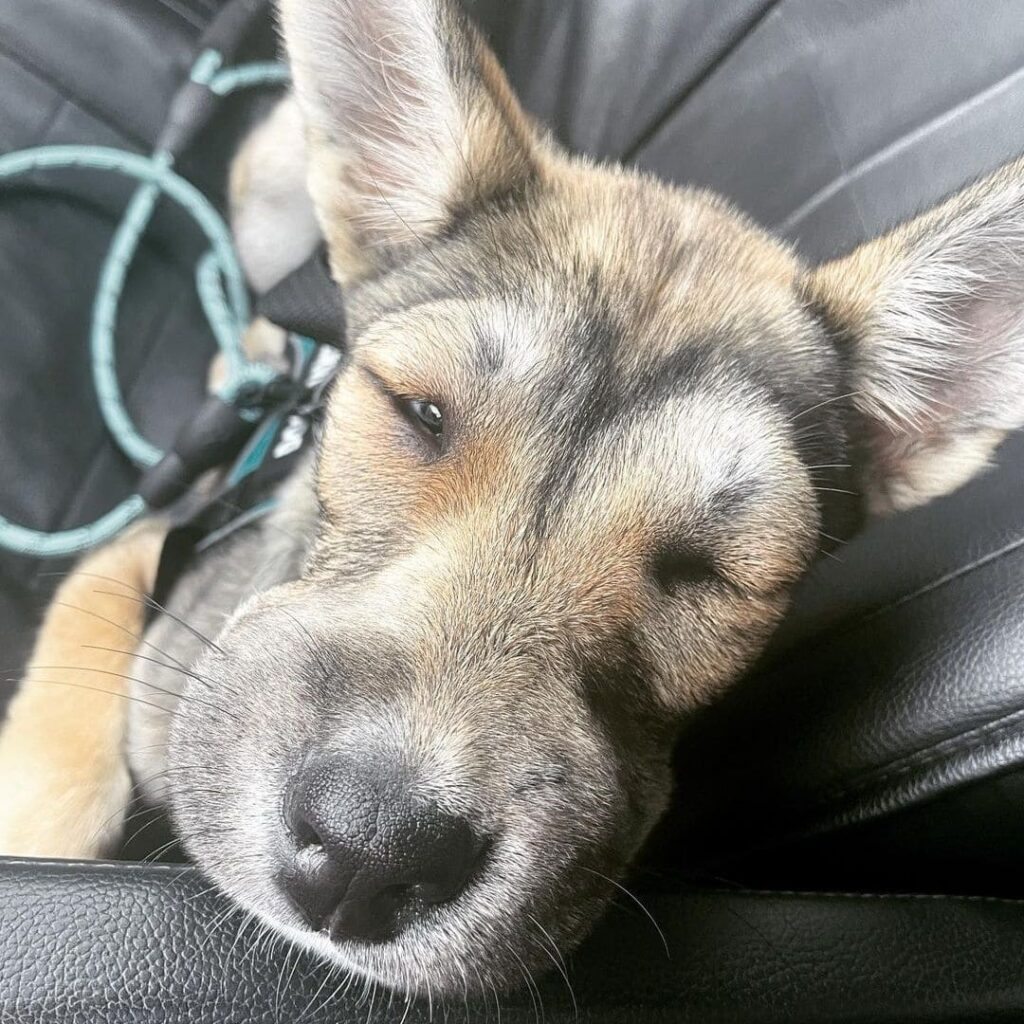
[194, 103]
[272, 449]
[308, 301]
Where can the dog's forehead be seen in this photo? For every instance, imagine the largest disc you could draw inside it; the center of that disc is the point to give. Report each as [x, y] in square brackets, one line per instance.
[612, 264]
[606, 296]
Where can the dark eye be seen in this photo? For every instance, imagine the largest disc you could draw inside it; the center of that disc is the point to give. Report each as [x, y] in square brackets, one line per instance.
[678, 567]
[426, 414]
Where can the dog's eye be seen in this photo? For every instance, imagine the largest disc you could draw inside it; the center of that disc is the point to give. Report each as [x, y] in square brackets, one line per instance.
[426, 414]
[674, 568]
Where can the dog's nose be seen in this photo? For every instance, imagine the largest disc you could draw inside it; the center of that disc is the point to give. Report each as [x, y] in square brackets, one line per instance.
[371, 859]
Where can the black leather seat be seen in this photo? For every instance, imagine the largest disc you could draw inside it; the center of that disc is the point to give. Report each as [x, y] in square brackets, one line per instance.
[878, 748]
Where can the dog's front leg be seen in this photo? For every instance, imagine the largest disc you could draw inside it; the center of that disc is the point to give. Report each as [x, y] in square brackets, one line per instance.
[64, 782]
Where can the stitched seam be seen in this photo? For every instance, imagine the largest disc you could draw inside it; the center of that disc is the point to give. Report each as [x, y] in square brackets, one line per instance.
[63, 867]
[889, 897]
[905, 141]
[654, 127]
[949, 577]
[189, 17]
[862, 805]
[936, 753]
[826, 106]
[805, 647]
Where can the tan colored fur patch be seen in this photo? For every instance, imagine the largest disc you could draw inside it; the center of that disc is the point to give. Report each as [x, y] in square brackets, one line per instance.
[64, 780]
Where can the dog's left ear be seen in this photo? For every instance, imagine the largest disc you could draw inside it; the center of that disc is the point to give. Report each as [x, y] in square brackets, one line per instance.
[932, 316]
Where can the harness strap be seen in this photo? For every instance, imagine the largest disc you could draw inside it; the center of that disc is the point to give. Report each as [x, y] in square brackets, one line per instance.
[308, 302]
[246, 492]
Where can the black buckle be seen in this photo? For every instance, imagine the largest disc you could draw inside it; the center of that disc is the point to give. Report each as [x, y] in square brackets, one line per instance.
[213, 437]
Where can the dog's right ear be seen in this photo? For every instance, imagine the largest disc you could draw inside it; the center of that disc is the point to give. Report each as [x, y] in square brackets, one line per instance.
[409, 122]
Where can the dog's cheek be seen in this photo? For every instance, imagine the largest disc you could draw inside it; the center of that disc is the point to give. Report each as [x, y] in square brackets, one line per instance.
[706, 644]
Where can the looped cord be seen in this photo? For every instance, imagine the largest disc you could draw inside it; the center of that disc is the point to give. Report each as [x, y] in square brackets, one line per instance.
[220, 285]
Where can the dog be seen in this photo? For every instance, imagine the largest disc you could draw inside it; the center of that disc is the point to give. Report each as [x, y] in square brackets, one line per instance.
[592, 431]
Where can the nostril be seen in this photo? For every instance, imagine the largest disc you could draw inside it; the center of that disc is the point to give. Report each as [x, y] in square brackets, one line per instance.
[302, 817]
[433, 892]
[306, 836]
[452, 867]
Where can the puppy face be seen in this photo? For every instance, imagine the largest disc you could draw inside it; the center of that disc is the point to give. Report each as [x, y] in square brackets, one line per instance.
[592, 431]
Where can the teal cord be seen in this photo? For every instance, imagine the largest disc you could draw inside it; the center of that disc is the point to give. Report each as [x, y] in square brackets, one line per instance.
[61, 543]
[219, 282]
[158, 177]
[104, 319]
[257, 73]
[207, 71]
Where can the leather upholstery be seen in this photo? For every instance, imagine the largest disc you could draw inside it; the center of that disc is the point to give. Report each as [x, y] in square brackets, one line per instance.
[129, 945]
[880, 742]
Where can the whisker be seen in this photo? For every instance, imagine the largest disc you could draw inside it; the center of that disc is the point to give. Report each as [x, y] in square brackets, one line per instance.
[336, 991]
[828, 401]
[636, 900]
[835, 540]
[117, 625]
[153, 819]
[497, 1001]
[408, 1007]
[451, 277]
[155, 661]
[219, 920]
[94, 689]
[153, 854]
[199, 895]
[134, 679]
[465, 991]
[151, 602]
[143, 597]
[373, 999]
[247, 921]
[531, 985]
[281, 976]
[547, 935]
[559, 962]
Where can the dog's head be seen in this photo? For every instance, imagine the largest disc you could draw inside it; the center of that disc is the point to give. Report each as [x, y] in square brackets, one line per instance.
[593, 430]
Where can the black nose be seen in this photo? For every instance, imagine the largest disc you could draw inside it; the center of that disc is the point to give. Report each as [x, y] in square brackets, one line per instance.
[371, 859]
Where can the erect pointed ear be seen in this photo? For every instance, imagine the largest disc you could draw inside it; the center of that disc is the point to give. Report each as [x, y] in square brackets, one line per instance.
[409, 121]
[933, 315]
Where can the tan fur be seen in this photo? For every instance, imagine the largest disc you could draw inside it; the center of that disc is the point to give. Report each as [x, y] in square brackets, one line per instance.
[65, 781]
